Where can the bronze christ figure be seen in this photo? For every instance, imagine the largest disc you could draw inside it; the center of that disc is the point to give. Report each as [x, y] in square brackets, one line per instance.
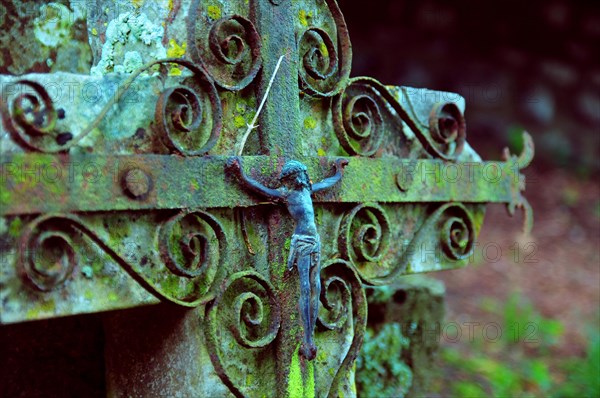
[295, 192]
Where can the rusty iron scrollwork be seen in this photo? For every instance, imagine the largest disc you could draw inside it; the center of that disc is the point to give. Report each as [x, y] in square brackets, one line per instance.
[520, 162]
[364, 237]
[47, 257]
[344, 313]
[357, 118]
[325, 61]
[245, 314]
[31, 117]
[229, 51]
[189, 117]
[182, 114]
[456, 231]
[192, 243]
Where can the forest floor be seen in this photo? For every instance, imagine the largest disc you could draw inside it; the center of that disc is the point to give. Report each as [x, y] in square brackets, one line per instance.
[541, 292]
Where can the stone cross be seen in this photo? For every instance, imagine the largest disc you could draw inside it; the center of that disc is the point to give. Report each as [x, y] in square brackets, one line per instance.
[118, 190]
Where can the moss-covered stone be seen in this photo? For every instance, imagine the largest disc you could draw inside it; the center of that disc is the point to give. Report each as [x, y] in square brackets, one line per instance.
[401, 339]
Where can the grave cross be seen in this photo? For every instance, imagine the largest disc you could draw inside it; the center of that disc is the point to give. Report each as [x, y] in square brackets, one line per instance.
[121, 190]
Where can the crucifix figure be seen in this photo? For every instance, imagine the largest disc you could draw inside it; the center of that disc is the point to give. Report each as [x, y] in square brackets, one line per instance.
[295, 192]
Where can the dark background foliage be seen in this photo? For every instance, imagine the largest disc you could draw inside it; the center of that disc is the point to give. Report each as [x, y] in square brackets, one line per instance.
[531, 65]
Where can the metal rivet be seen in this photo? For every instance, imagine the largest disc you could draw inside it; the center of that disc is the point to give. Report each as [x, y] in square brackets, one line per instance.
[403, 180]
[137, 183]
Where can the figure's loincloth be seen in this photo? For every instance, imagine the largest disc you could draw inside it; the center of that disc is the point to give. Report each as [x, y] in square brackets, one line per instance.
[305, 247]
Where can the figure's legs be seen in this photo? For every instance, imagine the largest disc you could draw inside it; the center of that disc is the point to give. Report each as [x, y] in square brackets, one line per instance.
[315, 294]
[308, 346]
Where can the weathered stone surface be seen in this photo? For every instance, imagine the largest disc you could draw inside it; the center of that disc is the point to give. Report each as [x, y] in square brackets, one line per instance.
[44, 38]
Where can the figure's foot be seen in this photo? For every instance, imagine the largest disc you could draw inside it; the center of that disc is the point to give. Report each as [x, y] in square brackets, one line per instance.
[308, 351]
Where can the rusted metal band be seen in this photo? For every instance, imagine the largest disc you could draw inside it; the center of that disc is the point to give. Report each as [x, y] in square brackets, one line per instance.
[41, 183]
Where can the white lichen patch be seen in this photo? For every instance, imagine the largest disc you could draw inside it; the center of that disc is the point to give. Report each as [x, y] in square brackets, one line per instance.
[133, 60]
[131, 40]
[53, 26]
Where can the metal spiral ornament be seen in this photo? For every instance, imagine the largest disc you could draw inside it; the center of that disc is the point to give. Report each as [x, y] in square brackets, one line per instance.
[319, 62]
[242, 322]
[46, 257]
[229, 50]
[191, 244]
[360, 129]
[256, 316]
[448, 128]
[357, 120]
[325, 58]
[31, 118]
[343, 313]
[189, 117]
[364, 237]
[456, 232]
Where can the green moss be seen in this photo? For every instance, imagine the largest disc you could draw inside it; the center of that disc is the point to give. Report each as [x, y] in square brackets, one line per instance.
[97, 264]
[5, 198]
[298, 386]
[324, 50]
[310, 383]
[295, 388]
[53, 27]
[321, 356]
[171, 286]
[381, 372]
[240, 107]
[14, 229]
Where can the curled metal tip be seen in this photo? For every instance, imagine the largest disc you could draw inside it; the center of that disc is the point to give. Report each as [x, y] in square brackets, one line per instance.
[527, 214]
[526, 156]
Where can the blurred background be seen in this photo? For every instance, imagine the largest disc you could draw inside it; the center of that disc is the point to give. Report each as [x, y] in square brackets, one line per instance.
[531, 66]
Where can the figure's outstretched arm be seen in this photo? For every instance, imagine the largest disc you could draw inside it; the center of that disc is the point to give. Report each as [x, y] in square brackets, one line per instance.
[331, 181]
[234, 166]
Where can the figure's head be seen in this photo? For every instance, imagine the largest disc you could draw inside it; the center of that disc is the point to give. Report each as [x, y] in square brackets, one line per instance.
[294, 175]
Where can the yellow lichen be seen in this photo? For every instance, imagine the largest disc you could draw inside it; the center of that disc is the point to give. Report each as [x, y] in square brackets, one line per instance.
[94, 31]
[137, 3]
[310, 123]
[175, 71]
[302, 17]
[239, 121]
[214, 12]
[175, 50]
[324, 50]
[321, 152]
